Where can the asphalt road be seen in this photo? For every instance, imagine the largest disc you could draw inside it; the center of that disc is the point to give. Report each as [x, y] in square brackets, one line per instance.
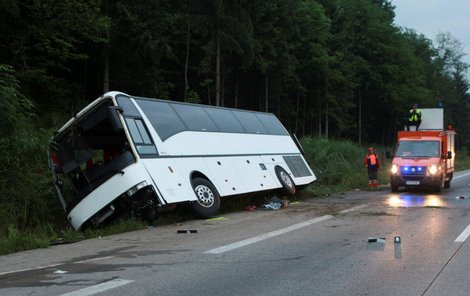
[337, 245]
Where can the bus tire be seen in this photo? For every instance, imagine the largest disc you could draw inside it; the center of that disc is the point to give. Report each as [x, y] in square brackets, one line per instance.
[208, 199]
[288, 185]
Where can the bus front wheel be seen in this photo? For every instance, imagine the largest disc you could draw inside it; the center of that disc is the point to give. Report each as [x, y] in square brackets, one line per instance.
[208, 200]
[288, 186]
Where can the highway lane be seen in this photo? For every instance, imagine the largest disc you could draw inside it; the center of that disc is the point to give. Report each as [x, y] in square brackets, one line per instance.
[315, 248]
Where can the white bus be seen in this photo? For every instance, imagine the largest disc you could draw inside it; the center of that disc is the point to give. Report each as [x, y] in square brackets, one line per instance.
[127, 153]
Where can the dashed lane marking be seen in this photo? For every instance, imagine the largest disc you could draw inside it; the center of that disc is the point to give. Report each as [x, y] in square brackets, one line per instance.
[463, 236]
[262, 237]
[92, 290]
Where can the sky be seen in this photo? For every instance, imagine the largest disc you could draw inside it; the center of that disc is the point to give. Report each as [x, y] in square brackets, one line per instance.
[431, 17]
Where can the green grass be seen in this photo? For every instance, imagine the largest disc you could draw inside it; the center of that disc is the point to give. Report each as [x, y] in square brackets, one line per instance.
[337, 164]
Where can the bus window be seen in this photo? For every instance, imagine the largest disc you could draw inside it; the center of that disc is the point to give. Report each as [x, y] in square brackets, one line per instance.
[271, 123]
[162, 117]
[127, 106]
[195, 118]
[249, 121]
[225, 120]
[140, 136]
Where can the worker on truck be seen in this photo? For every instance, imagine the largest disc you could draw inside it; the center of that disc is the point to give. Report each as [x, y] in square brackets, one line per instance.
[415, 117]
[372, 163]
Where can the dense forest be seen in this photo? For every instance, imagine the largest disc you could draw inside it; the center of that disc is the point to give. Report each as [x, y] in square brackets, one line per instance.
[336, 68]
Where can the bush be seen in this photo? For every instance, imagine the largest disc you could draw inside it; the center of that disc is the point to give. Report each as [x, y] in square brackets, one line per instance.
[338, 165]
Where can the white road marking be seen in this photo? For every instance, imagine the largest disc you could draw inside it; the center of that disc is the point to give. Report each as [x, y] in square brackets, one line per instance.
[353, 209]
[92, 290]
[262, 237]
[93, 259]
[461, 176]
[54, 265]
[30, 269]
[463, 236]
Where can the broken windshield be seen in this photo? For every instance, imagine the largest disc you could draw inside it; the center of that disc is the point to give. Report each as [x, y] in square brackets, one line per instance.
[418, 149]
[89, 152]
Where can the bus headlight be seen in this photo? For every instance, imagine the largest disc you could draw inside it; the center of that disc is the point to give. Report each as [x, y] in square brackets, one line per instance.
[394, 169]
[433, 169]
[136, 188]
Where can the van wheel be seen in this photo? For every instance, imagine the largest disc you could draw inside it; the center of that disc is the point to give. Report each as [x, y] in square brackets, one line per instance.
[394, 187]
[441, 185]
[208, 199]
[447, 184]
[288, 186]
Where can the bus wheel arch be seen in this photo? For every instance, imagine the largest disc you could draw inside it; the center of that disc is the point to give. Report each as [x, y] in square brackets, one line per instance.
[288, 185]
[207, 202]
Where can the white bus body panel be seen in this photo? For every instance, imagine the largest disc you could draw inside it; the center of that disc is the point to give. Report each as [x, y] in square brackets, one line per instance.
[107, 192]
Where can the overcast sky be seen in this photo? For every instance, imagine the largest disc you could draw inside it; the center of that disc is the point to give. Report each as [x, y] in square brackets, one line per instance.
[431, 17]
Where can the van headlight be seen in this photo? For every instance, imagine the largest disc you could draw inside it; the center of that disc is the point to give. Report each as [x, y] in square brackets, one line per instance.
[136, 188]
[394, 169]
[433, 169]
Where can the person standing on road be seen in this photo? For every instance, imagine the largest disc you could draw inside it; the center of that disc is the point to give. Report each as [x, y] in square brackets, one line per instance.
[372, 163]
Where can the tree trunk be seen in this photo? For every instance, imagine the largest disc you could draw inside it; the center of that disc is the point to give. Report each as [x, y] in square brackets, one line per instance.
[266, 100]
[186, 66]
[106, 56]
[326, 118]
[217, 74]
[297, 111]
[360, 116]
[236, 91]
[106, 71]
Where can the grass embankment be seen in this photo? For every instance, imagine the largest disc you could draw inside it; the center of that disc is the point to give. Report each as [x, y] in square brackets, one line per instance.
[338, 166]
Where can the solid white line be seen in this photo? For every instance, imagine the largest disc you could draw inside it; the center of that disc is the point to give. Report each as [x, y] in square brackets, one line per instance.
[93, 259]
[259, 238]
[461, 176]
[92, 290]
[30, 269]
[463, 236]
[353, 209]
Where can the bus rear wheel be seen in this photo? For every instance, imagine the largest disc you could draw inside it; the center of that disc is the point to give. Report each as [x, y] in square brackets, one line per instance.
[208, 199]
[288, 186]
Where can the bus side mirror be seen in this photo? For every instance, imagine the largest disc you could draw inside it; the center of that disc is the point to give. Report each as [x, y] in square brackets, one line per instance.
[114, 118]
[449, 154]
[388, 155]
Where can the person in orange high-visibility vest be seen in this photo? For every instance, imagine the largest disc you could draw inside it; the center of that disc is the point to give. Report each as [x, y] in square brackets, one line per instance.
[372, 163]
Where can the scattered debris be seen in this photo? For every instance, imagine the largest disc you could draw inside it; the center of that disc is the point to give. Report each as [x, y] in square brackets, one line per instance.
[60, 271]
[217, 219]
[397, 240]
[460, 197]
[376, 240]
[186, 231]
[275, 203]
[249, 208]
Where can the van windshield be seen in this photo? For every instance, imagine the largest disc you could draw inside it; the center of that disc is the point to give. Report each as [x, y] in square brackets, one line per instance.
[417, 149]
[88, 153]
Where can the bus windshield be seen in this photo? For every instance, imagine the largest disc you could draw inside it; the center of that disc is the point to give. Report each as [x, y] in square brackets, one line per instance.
[87, 153]
[418, 149]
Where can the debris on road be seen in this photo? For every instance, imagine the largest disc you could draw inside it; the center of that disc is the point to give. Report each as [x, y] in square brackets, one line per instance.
[376, 240]
[249, 208]
[460, 197]
[186, 231]
[217, 219]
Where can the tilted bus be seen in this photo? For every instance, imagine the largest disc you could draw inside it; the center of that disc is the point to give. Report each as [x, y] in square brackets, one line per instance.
[128, 153]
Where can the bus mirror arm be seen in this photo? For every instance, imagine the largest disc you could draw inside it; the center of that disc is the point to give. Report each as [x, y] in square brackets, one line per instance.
[113, 117]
